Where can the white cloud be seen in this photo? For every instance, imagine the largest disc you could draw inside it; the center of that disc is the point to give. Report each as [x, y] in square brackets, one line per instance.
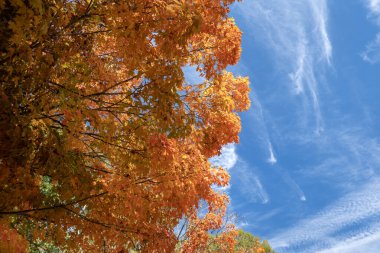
[272, 158]
[320, 11]
[256, 114]
[228, 157]
[374, 8]
[242, 224]
[227, 160]
[261, 191]
[372, 52]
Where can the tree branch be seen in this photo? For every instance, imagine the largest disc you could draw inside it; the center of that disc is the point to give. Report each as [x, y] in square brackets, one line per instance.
[52, 207]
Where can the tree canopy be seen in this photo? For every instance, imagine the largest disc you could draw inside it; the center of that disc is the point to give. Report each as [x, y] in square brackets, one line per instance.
[104, 145]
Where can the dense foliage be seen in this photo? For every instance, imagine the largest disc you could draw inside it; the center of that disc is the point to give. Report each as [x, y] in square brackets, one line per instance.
[104, 145]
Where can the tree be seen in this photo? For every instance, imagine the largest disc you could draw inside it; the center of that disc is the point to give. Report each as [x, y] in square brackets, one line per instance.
[228, 239]
[207, 231]
[267, 248]
[104, 145]
[11, 241]
[247, 243]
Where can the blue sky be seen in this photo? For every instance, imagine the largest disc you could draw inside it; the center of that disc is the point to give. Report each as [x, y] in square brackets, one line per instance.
[306, 173]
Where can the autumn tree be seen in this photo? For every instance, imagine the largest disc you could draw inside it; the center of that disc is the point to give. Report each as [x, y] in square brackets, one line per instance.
[104, 145]
[207, 231]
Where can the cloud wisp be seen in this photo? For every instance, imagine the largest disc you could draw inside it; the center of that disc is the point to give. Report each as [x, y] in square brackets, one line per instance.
[259, 122]
[293, 185]
[324, 230]
[350, 224]
[372, 52]
[349, 157]
[296, 32]
[297, 38]
[250, 185]
[272, 158]
[363, 243]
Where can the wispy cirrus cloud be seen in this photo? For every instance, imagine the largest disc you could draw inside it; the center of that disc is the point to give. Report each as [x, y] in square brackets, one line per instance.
[272, 158]
[372, 52]
[343, 221]
[350, 224]
[341, 155]
[297, 38]
[250, 185]
[348, 157]
[258, 120]
[292, 183]
[362, 243]
[297, 34]
[320, 13]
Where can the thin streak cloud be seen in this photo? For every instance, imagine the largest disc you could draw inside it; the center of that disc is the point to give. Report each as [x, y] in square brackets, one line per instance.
[249, 183]
[297, 33]
[290, 181]
[320, 13]
[259, 122]
[272, 158]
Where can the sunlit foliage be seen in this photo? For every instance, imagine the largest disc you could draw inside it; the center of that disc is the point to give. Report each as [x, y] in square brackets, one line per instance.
[104, 145]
